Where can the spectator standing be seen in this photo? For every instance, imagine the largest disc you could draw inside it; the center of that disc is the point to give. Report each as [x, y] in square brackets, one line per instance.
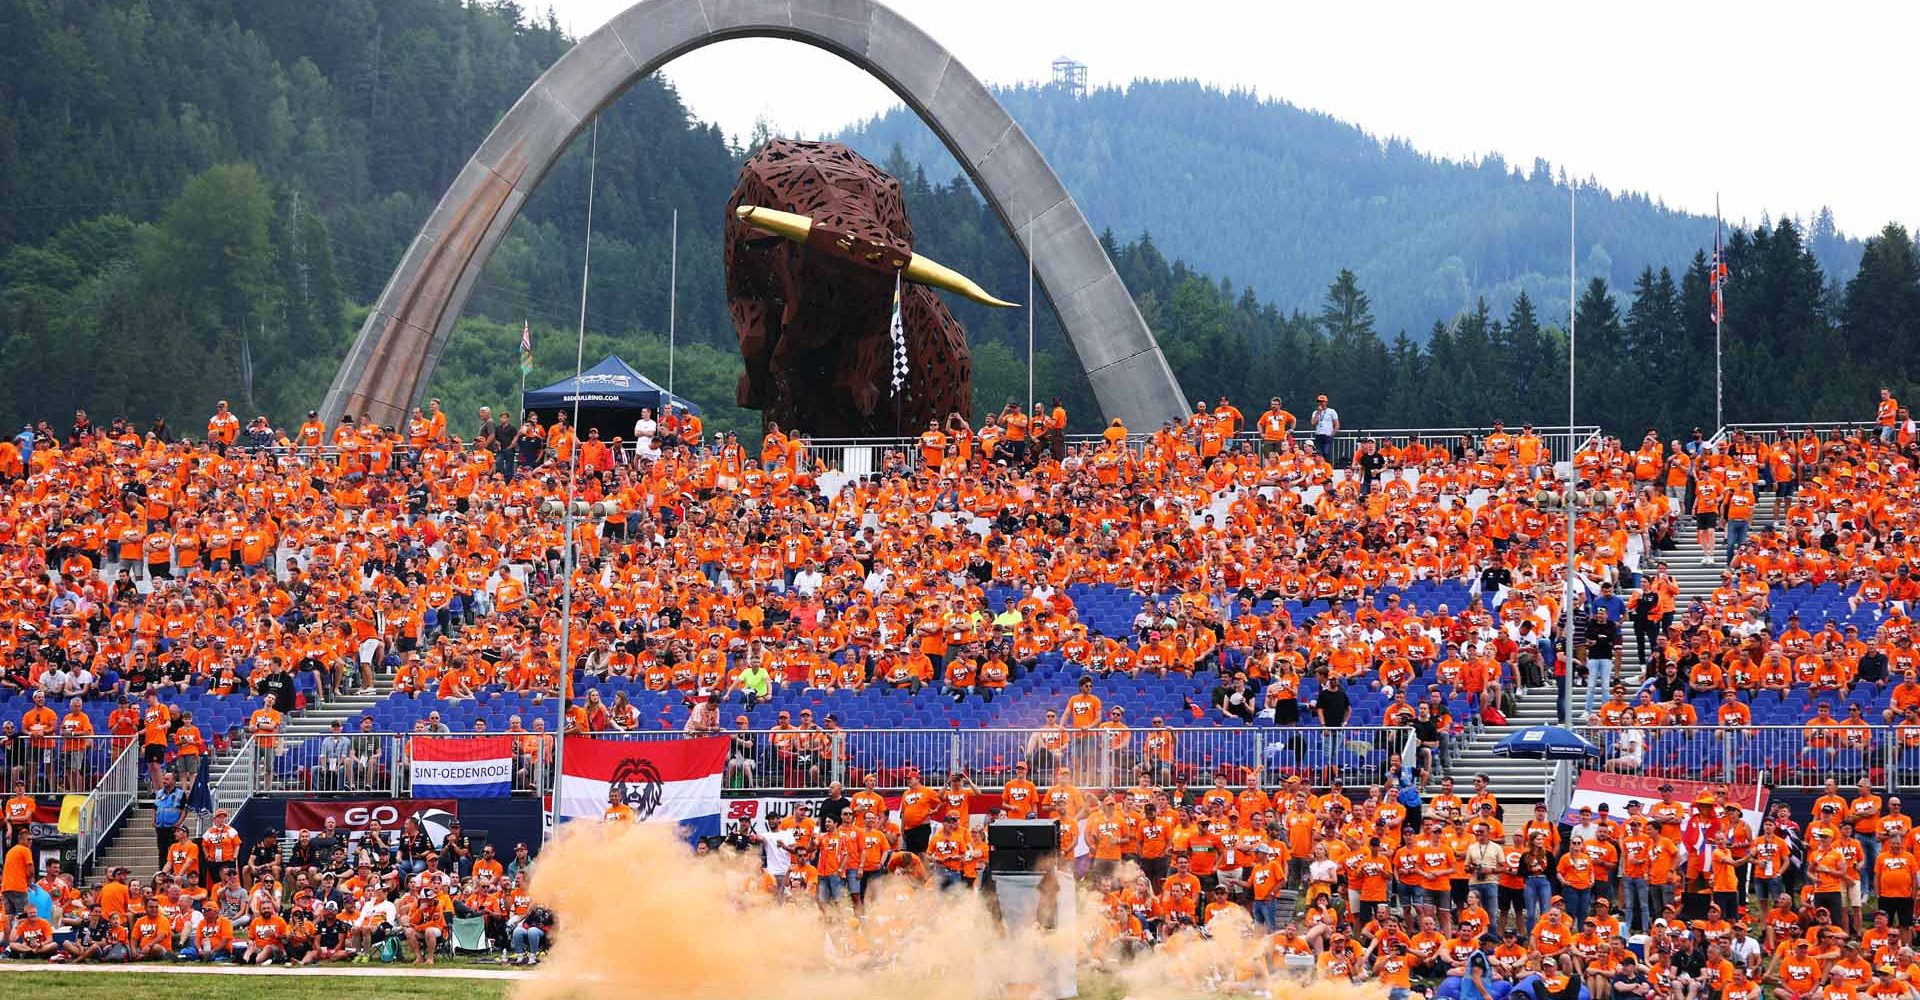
[1600, 634]
[1326, 423]
[169, 811]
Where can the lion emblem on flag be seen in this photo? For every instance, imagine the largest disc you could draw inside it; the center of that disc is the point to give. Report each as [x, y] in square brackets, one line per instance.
[638, 781]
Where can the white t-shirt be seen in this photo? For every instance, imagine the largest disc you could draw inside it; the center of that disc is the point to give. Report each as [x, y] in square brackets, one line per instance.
[1325, 420]
[779, 850]
[375, 914]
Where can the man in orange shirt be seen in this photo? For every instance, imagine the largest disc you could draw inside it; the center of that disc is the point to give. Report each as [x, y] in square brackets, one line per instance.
[16, 876]
[19, 809]
[42, 727]
[77, 729]
[1019, 798]
[1893, 880]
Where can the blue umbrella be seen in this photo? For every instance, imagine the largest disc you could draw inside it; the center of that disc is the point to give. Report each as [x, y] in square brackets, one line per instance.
[1546, 743]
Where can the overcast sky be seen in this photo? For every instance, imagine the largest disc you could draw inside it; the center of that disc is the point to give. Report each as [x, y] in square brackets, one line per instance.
[1780, 108]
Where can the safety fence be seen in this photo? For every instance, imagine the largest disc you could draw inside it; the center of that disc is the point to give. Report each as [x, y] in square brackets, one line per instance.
[112, 796]
[1786, 757]
[241, 777]
[856, 457]
[796, 759]
[865, 456]
[1825, 431]
[60, 765]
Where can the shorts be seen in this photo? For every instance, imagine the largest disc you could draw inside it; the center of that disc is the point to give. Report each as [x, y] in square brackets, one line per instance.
[914, 840]
[1706, 522]
[1853, 894]
[15, 903]
[1899, 910]
[1439, 899]
[154, 753]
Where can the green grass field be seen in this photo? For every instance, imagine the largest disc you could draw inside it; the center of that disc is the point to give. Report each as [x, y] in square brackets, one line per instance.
[120, 985]
[214, 986]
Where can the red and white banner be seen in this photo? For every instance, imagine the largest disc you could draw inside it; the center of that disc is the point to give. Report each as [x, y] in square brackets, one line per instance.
[662, 781]
[355, 817]
[774, 808]
[463, 767]
[1615, 790]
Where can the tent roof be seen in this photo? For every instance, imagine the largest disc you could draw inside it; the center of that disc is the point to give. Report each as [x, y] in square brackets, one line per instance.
[609, 384]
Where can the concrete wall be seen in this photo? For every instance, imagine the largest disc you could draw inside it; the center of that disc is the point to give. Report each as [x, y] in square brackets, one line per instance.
[401, 341]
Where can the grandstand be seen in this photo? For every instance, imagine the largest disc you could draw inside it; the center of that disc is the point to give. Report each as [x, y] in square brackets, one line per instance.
[1328, 607]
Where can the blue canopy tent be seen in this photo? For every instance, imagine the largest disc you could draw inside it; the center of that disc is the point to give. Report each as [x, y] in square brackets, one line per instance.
[611, 395]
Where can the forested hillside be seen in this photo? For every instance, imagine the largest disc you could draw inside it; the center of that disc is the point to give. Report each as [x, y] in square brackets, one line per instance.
[200, 198]
[1280, 198]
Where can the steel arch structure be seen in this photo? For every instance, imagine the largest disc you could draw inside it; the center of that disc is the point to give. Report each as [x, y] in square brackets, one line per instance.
[402, 339]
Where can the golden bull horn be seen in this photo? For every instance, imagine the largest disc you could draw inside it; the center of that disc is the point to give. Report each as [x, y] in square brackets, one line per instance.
[918, 269]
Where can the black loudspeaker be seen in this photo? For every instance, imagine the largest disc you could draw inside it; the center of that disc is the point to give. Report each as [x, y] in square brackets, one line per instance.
[1022, 845]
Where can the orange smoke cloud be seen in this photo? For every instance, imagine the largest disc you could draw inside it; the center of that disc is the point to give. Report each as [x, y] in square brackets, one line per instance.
[639, 917]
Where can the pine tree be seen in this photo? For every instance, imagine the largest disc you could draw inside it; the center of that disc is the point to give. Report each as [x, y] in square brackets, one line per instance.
[1880, 321]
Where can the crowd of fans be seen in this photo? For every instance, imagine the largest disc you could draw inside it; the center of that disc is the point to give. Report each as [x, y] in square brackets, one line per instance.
[1672, 898]
[264, 567]
[327, 897]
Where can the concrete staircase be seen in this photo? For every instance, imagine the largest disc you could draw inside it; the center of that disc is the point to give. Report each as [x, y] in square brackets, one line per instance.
[1521, 783]
[133, 844]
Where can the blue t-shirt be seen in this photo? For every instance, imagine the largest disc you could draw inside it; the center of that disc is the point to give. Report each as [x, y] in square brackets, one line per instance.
[169, 808]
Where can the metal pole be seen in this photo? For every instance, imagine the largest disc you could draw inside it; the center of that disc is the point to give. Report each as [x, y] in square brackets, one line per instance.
[573, 477]
[1719, 314]
[1030, 309]
[673, 288]
[1563, 701]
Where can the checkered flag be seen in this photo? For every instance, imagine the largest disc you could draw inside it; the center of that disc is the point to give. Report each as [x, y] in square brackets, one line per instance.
[898, 331]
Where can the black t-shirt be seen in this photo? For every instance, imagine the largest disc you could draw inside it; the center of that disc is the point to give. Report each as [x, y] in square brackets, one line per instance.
[1242, 709]
[1334, 706]
[265, 852]
[834, 809]
[329, 933]
[280, 686]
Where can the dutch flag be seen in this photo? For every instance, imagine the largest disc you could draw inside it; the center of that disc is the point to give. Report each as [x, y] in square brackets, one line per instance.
[460, 767]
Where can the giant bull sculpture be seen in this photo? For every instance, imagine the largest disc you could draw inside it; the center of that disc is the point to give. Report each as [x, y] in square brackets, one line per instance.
[817, 243]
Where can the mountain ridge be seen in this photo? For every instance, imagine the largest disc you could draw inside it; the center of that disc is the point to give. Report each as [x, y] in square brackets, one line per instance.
[1429, 235]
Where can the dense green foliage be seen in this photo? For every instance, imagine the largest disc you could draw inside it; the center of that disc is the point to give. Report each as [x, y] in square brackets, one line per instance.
[1280, 198]
[199, 199]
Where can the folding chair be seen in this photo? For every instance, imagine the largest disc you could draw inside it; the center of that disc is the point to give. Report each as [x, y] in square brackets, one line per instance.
[470, 934]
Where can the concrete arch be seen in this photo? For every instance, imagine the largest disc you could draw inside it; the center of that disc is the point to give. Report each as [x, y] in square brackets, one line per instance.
[403, 337]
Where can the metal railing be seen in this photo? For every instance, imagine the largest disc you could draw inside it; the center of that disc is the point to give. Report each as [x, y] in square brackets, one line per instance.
[109, 801]
[863, 456]
[1825, 430]
[62, 765]
[764, 760]
[240, 778]
[1788, 757]
[358, 763]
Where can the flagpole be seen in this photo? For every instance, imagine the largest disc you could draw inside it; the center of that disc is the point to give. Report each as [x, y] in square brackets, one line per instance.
[1030, 316]
[573, 478]
[1719, 314]
[1573, 466]
[673, 288]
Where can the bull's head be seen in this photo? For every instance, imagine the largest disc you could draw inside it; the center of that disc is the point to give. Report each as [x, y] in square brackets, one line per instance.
[865, 253]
